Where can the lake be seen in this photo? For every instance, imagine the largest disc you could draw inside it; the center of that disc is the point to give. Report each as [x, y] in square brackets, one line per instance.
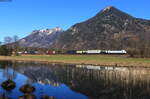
[69, 81]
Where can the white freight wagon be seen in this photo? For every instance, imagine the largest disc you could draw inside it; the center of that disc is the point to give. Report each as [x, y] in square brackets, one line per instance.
[79, 52]
[116, 52]
[93, 51]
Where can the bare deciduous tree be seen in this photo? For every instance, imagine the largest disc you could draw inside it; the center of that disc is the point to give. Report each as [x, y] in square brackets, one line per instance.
[7, 40]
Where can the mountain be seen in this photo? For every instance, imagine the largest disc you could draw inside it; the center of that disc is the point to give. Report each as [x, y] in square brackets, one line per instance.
[109, 29]
[41, 38]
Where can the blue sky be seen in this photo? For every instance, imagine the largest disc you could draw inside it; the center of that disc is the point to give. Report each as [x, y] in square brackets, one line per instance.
[20, 17]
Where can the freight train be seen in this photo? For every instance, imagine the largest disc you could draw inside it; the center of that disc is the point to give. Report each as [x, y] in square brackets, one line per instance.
[89, 52]
[79, 52]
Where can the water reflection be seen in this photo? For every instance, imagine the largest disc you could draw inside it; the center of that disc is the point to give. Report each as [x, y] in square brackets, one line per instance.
[78, 81]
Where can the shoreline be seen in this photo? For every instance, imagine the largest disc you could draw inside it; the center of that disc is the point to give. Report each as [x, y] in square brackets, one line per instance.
[101, 60]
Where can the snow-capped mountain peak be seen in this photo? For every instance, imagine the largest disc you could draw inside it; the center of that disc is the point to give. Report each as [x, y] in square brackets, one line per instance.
[41, 38]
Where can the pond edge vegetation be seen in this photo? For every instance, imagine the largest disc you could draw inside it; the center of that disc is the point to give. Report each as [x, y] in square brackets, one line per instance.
[101, 60]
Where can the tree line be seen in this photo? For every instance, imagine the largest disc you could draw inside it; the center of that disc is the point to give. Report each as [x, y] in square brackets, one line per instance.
[6, 49]
[135, 47]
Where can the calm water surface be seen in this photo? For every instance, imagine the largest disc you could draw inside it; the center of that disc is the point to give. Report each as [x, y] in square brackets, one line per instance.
[77, 81]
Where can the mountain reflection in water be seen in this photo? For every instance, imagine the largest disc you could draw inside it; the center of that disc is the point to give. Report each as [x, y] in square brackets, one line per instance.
[77, 81]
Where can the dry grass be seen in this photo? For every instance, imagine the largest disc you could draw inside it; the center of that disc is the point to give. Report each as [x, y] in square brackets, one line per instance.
[84, 59]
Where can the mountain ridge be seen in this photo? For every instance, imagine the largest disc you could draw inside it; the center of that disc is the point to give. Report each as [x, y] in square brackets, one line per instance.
[41, 38]
[110, 29]
[109, 25]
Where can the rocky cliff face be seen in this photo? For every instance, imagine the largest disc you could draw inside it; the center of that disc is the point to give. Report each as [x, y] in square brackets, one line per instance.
[109, 29]
[41, 38]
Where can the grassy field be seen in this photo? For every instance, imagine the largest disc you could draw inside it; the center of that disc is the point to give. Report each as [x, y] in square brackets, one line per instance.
[83, 59]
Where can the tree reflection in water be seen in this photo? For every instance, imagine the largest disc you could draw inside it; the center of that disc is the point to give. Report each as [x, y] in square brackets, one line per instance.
[9, 69]
[9, 74]
[97, 82]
